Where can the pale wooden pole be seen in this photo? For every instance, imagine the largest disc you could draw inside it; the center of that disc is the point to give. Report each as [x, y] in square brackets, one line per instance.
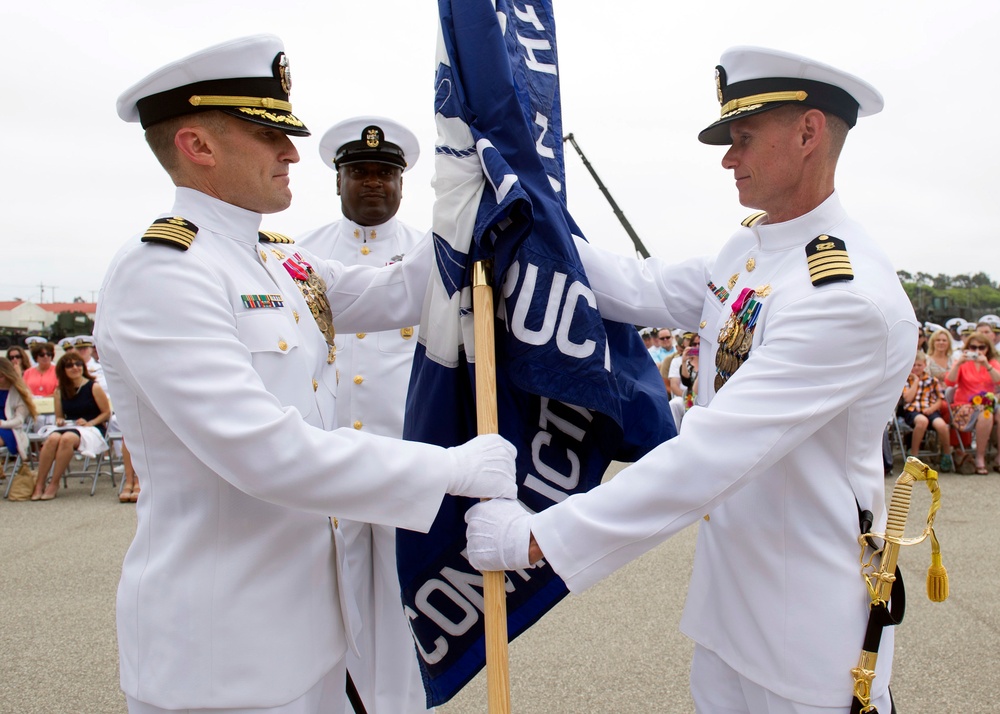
[494, 593]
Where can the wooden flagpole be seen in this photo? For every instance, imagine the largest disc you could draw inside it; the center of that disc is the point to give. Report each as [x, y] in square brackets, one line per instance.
[494, 593]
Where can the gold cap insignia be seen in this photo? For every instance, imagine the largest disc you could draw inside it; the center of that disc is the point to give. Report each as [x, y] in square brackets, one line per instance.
[373, 137]
[283, 72]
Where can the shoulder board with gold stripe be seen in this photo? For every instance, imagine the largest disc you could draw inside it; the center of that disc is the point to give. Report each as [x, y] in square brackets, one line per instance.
[175, 232]
[269, 237]
[753, 219]
[828, 261]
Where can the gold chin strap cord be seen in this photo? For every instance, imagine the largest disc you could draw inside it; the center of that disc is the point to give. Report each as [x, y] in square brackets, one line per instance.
[215, 100]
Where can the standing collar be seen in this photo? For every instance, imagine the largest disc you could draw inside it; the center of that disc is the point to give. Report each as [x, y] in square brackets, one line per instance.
[217, 216]
[801, 230]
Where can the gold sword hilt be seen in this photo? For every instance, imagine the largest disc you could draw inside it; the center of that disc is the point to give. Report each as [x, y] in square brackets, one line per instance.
[880, 579]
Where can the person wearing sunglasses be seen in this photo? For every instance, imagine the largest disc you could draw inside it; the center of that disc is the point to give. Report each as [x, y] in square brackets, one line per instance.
[82, 413]
[975, 374]
[18, 357]
[41, 379]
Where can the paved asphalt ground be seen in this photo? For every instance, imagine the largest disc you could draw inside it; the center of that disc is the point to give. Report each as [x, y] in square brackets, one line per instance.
[615, 648]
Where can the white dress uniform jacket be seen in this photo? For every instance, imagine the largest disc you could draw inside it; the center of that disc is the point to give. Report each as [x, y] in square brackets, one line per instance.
[375, 373]
[375, 367]
[230, 593]
[776, 590]
[97, 372]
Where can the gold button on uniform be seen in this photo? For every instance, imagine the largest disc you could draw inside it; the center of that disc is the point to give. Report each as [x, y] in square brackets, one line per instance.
[282, 345]
[365, 250]
[358, 379]
[315, 385]
[702, 324]
[360, 335]
[358, 424]
[295, 314]
[263, 256]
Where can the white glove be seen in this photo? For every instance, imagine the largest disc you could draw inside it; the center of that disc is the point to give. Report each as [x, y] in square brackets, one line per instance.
[499, 534]
[483, 468]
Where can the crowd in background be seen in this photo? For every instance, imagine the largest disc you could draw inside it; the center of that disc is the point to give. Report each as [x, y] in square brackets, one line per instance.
[55, 409]
[950, 392]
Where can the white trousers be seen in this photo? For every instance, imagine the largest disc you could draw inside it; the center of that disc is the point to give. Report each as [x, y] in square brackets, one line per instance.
[719, 689]
[327, 695]
[387, 674]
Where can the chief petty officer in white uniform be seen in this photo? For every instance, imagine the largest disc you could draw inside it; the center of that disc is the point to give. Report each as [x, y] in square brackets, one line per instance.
[217, 342]
[776, 605]
[370, 155]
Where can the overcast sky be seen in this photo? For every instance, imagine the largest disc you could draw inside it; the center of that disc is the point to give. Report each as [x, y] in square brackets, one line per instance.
[637, 83]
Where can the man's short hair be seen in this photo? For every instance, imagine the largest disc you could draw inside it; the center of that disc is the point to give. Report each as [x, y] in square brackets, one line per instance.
[160, 136]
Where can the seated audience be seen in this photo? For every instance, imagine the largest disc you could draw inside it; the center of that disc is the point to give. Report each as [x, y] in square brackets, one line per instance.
[82, 412]
[939, 350]
[16, 408]
[84, 346]
[18, 356]
[923, 405]
[975, 374]
[660, 349]
[41, 379]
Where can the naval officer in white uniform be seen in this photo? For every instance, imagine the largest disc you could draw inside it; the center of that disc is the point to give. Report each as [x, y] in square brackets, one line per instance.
[217, 343]
[776, 606]
[370, 154]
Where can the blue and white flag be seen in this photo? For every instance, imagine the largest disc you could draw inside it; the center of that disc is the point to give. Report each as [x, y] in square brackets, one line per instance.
[573, 391]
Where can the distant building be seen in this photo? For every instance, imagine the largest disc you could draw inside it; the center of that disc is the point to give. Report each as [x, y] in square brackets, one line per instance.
[35, 317]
